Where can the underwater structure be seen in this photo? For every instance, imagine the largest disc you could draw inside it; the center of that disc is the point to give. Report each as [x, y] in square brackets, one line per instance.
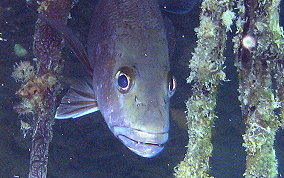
[259, 49]
[206, 73]
[40, 84]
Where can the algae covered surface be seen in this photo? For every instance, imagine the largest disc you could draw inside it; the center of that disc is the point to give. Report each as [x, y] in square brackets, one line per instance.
[85, 147]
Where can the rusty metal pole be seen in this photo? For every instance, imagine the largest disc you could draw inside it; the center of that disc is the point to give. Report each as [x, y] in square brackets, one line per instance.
[41, 86]
[47, 50]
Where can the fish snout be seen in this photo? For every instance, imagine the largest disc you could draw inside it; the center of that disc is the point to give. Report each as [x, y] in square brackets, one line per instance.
[143, 143]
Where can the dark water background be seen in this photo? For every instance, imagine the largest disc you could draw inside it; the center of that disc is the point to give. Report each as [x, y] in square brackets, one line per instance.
[83, 148]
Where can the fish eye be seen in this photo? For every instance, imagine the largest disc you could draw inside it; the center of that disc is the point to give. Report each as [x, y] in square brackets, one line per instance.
[172, 84]
[124, 79]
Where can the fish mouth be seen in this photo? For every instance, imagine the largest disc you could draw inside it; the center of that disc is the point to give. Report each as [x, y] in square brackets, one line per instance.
[145, 144]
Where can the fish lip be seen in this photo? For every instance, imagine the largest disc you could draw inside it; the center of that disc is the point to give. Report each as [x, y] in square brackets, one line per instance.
[145, 144]
[142, 134]
[139, 130]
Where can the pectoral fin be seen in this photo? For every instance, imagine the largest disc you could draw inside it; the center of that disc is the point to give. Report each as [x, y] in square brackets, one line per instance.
[80, 100]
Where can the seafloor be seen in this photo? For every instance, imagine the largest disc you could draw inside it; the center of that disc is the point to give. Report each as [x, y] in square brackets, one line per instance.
[83, 148]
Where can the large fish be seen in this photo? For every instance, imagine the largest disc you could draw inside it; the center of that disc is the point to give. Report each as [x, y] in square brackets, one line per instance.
[128, 60]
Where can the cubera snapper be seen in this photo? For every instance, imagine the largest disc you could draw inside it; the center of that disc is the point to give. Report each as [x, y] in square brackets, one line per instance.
[128, 60]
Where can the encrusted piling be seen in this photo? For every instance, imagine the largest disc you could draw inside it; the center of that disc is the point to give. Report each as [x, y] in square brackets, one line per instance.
[41, 85]
[279, 77]
[259, 49]
[206, 73]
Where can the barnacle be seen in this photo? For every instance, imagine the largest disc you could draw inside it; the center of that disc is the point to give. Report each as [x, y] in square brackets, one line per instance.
[43, 6]
[33, 92]
[25, 127]
[37, 85]
[23, 71]
[227, 19]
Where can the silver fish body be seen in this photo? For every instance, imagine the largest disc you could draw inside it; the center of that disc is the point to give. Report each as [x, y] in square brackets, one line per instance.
[130, 36]
[128, 57]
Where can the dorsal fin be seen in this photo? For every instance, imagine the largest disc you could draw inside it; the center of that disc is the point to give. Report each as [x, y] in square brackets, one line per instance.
[71, 40]
[170, 35]
[177, 6]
